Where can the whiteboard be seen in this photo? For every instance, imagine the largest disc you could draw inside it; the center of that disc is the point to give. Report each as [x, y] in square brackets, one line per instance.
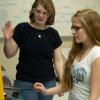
[18, 11]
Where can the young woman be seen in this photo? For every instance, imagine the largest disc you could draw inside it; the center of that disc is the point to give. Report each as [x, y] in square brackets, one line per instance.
[40, 50]
[82, 69]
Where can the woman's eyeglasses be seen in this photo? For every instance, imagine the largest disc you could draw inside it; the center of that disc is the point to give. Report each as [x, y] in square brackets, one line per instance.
[76, 28]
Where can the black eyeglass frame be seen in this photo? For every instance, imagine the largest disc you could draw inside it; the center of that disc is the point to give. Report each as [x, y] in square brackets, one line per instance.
[76, 28]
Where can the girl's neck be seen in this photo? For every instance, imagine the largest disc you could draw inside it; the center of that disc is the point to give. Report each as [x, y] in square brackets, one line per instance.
[87, 46]
[84, 51]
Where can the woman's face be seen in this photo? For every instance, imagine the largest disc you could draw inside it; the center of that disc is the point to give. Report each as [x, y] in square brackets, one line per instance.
[79, 32]
[40, 15]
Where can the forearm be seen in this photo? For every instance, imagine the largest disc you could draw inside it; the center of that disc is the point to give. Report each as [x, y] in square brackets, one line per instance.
[59, 70]
[10, 48]
[58, 62]
[54, 90]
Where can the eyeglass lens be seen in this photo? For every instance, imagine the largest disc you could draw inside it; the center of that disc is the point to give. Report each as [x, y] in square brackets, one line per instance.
[76, 28]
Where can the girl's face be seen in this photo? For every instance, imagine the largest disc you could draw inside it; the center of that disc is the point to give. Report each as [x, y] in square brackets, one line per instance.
[40, 15]
[79, 32]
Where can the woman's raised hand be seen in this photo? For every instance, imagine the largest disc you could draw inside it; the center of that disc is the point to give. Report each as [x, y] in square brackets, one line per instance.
[8, 30]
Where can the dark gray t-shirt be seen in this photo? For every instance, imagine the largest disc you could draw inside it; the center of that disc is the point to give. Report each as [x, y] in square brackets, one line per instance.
[36, 52]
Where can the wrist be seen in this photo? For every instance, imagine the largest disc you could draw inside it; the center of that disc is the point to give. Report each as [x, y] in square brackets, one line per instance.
[7, 39]
[45, 93]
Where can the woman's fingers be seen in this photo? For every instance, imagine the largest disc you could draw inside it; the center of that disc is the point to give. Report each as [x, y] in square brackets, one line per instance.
[40, 87]
[8, 30]
[8, 24]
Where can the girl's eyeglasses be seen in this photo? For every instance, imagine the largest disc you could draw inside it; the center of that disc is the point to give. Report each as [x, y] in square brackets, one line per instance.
[76, 28]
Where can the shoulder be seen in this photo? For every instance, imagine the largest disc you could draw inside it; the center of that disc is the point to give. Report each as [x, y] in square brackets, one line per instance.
[55, 37]
[96, 50]
[21, 25]
[95, 53]
[53, 30]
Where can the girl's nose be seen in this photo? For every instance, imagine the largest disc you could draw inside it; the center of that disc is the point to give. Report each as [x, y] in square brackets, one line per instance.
[73, 32]
[41, 14]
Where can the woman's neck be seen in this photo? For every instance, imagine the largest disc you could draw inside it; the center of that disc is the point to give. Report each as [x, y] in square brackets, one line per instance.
[84, 51]
[38, 26]
[87, 46]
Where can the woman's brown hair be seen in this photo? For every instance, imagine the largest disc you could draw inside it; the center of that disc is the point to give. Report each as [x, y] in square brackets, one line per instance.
[49, 6]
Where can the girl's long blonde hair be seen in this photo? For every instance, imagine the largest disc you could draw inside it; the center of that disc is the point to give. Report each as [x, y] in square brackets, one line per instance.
[90, 20]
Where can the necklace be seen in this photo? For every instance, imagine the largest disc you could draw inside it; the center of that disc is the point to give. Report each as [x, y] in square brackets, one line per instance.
[40, 32]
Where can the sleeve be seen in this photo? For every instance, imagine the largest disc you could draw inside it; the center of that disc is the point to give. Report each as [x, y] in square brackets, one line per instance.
[17, 34]
[56, 40]
[96, 54]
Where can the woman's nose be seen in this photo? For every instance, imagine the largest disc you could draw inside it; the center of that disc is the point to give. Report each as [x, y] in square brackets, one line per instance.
[73, 32]
[41, 14]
